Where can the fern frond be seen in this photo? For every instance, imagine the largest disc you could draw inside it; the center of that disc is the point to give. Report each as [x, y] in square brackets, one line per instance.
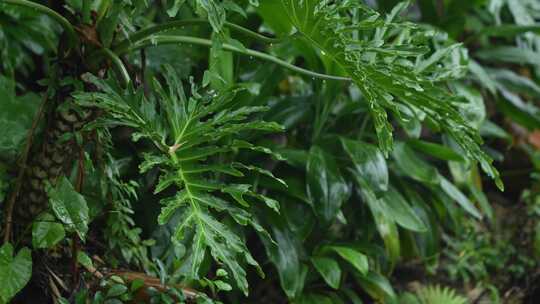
[439, 295]
[387, 60]
[189, 133]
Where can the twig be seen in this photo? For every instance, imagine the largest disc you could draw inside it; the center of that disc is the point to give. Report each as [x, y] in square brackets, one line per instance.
[56, 278]
[480, 296]
[22, 168]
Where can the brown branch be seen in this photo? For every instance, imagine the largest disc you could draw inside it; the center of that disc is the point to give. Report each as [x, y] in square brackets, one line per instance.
[22, 168]
[154, 282]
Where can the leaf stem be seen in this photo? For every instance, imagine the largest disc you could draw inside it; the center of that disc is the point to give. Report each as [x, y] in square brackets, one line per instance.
[170, 39]
[119, 66]
[72, 36]
[145, 33]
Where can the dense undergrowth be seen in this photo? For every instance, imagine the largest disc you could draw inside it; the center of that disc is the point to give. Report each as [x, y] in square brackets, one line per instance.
[270, 151]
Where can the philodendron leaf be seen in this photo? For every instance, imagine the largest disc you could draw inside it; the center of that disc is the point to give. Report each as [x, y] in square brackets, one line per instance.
[46, 232]
[383, 68]
[214, 11]
[15, 271]
[197, 126]
[329, 270]
[69, 206]
[368, 162]
[326, 188]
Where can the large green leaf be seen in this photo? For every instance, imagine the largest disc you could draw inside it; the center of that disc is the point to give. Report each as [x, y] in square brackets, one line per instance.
[510, 54]
[382, 68]
[46, 232]
[188, 134]
[509, 30]
[329, 269]
[15, 271]
[286, 256]
[473, 110]
[395, 206]
[377, 286]
[368, 162]
[459, 197]
[69, 206]
[413, 166]
[385, 222]
[436, 150]
[16, 116]
[351, 255]
[326, 187]
[277, 22]
[427, 243]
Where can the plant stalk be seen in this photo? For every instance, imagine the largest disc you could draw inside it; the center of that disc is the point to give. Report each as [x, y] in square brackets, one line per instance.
[171, 39]
[68, 27]
[145, 33]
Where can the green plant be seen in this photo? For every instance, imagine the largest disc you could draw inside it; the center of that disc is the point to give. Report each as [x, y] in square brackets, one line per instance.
[162, 145]
[434, 294]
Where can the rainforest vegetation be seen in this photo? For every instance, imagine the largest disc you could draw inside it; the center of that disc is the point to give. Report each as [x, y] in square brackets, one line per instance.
[270, 151]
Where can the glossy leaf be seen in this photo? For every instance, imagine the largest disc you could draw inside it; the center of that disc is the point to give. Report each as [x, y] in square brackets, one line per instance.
[396, 207]
[353, 256]
[413, 166]
[383, 81]
[377, 286]
[286, 257]
[369, 163]
[510, 54]
[459, 197]
[326, 187]
[16, 118]
[329, 269]
[436, 150]
[384, 222]
[188, 131]
[46, 232]
[15, 271]
[69, 207]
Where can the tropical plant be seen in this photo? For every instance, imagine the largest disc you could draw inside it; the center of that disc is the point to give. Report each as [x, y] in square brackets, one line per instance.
[434, 294]
[163, 151]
